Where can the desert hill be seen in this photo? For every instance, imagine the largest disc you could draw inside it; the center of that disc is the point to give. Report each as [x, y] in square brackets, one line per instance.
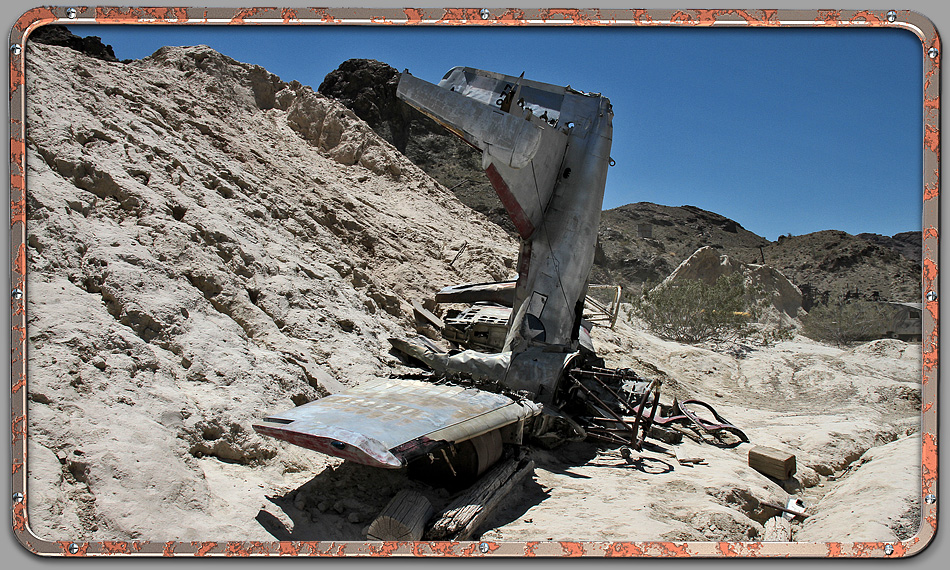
[201, 234]
[641, 242]
[208, 244]
[832, 265]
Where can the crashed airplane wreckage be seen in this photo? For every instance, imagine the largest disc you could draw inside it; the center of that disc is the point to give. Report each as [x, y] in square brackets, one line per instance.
[546, 151]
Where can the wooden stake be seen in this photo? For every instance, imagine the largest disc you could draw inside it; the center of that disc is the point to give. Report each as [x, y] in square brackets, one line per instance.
[777, 529]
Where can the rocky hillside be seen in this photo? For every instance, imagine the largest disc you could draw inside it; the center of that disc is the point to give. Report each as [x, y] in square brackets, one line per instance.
[642, 242]
[206, 244]
[832, 265]
[907, 244]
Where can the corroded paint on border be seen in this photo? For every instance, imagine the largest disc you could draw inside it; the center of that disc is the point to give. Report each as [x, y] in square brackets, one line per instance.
[908, 20]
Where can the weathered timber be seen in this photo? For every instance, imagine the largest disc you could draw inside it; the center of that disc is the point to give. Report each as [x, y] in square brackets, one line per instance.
[403, 519]
[772, 462]
[665, 435]
[777, 529]
[463, 516]
[426, 316]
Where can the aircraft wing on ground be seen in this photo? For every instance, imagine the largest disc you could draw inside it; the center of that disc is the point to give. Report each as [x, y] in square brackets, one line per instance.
[388, 422]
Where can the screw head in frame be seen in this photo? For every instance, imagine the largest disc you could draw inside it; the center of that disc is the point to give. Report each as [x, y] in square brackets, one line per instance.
[71, 13]
[931, 296]
[16, 49]
[930, 499]
[892, 16]
[483, 548]
[933, 53]
[73, 548]
[17, 294]
[17, 497]
[484, 13]
[888, 549]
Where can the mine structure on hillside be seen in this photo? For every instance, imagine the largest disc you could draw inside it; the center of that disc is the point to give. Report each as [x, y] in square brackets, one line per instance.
[526, 370]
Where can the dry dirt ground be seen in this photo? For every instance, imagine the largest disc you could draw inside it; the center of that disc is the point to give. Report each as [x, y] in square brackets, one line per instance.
[208, 244]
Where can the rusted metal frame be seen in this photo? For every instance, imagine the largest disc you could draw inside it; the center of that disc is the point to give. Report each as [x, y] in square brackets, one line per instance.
[608, 437]
[649, 423]
[611, 310]
[639, 416]
[705, 425]
[594, 376]
[637, 437]
[616, 374]
[607, 408]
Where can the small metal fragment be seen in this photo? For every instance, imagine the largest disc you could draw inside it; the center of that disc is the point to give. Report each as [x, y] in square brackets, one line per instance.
[17, 497]
[892, 16]
[17, 294]
[71, 13]
[483, 548]
[933, 53]
[73, 548]
[16, 49]
[930, 499]
[484, 13]
[931, 296]
[888, 549]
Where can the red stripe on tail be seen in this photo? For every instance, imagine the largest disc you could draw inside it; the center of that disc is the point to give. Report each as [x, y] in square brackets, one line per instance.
[515, 212]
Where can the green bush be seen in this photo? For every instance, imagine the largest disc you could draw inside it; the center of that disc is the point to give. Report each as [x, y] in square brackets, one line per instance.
[691, 311]
[846, 323]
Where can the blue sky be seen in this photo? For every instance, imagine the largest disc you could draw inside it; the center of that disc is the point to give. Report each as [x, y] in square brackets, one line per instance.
[782, 130]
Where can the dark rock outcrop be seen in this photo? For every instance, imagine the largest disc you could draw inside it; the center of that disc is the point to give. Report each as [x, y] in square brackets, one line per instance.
[908, 244]
[56, 35]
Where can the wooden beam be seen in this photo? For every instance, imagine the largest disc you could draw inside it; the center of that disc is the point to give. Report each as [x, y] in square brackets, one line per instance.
[403, 519]
[772, 462]
[777, 529]
[462, 517]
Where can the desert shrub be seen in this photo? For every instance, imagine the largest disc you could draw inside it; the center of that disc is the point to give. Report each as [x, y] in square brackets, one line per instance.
[692, 311]
[846, 323]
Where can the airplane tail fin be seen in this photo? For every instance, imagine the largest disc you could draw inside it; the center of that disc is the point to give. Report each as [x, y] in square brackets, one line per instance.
[513, 122]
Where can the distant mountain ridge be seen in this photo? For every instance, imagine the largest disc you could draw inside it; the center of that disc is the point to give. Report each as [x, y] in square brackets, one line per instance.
[641, 242]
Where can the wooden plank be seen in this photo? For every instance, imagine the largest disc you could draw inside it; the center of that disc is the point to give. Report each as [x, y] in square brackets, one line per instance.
[462, 516]
[496, 499]
[425, 315]
[404, 518]
[772, 462]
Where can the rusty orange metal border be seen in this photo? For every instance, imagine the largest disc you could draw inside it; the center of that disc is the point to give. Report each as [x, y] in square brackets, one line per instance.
[908, 20]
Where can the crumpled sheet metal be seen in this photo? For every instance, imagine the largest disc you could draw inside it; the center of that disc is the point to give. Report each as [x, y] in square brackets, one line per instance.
[366, 423]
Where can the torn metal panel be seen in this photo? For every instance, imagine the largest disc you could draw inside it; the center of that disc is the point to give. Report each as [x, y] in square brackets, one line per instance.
[480, 327]
[372, 423]
[530, 371]
[501, 292]
[425, 315]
